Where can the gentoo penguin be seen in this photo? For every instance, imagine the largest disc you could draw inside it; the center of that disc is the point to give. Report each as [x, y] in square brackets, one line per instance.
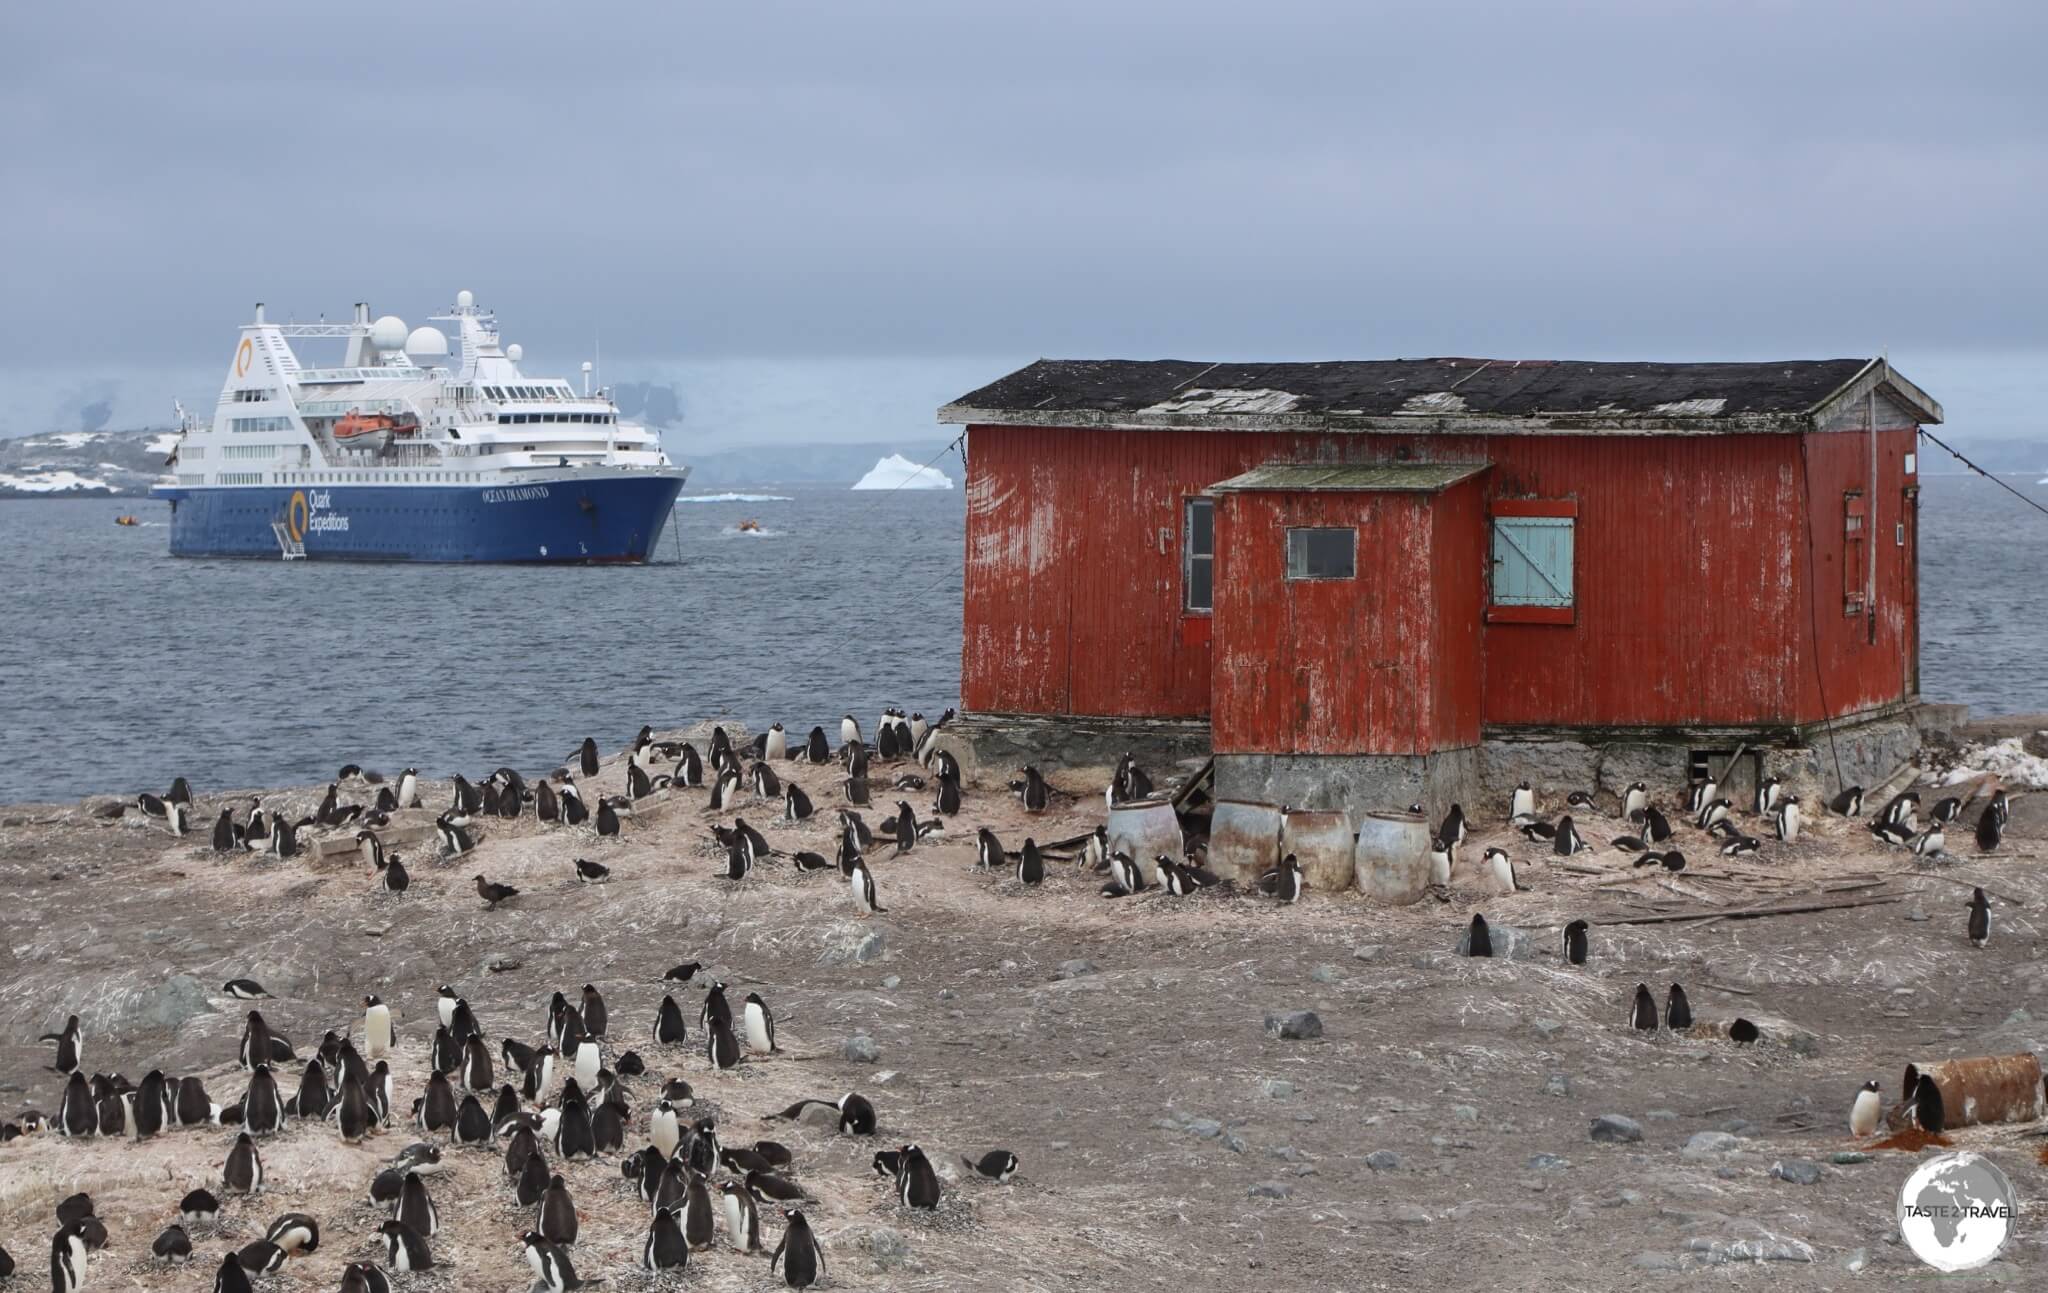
[1575, 943]
[352, 1112]
[766, 784]
[78, 1114]
[1892, 833]
[742, 1219]
[1786, 819]
[1284, 881]
[173, 1245]
[1742, 1032]
[363, 1277]
[493, 894]
[1439, 861]
[175, 817]
[856, 1113]
[1990, 829]
[67, 1045]
[573, 1136]
[552, 1269]
[698, 1216]
[1635, 799]
[472, 1124]
[295, 1233]
[377, 1035]
[437, 1106]
[244, 990]
[255, 1048]
[2001, 804]
[243, 1171]
[1125, 876]
[861, 883]
[1930, 842]
[232, 1277]
[557, 1218]
[917, 1183]
[1533, 831]
[1945, 810]
[721, 1046]
[262, 1107]
[1980, 918]
[409, 788]
[1847, 804]
[796, 805]
[664, 1128]
[1701, 794]
[1865, 1110]
[586, 756]
[1478, 938]
[1033, 791]
[998, 1165]
[77, 1207]
[1644, 1015]
[607, 816]
[1522, 803]
[1453, 830]
[379, 1091]
[262, 1257]
[1903, 810]
[816, 750]
[1567, 841]
[664, 1247]
[1713, 814]
[588, 1061]
[455, 837]
[592, 872]
[392, 876]
[199, 1208]
[67, 1259]
[152, 1105]
[1740, 846]
[416, 1207]
[760, 1023]
[1768, 792]
[988, 850]
[1656, 828]
[668, 1023]
[476, 1065]
[801, 1256]
[768, 1186]
[946, 799]
[1677, 1010]
[225, 838]
[1501, 869]
[1030, 863]
[405, 1249]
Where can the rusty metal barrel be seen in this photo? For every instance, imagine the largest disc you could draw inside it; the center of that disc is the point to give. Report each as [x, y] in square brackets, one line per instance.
[1323, 842]
[1980, 1089]
[1244, 840]
[1145, 828]
[1391, 859]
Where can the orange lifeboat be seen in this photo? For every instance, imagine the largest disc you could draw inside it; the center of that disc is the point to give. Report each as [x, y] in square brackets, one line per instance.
[358, 430]
[749, 526]
[126, 520]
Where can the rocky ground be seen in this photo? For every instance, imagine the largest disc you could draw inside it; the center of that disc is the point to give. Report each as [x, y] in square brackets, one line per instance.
[1439, 1130]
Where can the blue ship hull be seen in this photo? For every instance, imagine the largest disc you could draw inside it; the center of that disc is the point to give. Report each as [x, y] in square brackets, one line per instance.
[584, 518]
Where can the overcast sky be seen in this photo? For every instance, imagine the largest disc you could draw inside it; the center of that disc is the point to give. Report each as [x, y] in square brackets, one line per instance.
[1185, 178]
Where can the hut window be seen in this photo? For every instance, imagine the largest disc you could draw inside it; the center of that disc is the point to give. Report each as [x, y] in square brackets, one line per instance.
[1534, 545]
[1322, 553]
[1198, 555]
[1852, 552]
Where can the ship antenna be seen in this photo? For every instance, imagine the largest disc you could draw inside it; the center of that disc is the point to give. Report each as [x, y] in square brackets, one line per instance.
[586, 379]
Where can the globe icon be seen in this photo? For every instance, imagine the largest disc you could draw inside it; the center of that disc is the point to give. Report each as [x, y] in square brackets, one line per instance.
[1956, 1211]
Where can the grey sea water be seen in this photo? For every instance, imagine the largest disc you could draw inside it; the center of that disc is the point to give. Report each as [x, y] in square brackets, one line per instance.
[121, 668]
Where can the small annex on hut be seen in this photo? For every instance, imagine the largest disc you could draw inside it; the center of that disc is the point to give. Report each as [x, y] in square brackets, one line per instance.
[1384, 581]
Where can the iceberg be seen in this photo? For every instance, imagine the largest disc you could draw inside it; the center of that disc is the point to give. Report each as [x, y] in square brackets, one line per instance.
[898, 472]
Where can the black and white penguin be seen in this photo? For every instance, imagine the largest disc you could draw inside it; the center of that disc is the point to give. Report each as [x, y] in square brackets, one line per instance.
[998, 1165]
[1945, 810]
[244, 990]
[172, 1246]
[1033, 791]
[988, 850]
[1903, 810]
[1931, 842]
[1785, 819]
[262, 1107]
[1534, 831]
[437, 1106]
[1500, 869]
[78, 1114]
[1700, 794]
[664, 1248]
[1865, 1110]
[192, 1107]
[1575, 943]
[377, 1034]
[199, 1208]
[557, 1221]
[243, 1171]
[1634, 800]
[262, 1257]
[1643, 1016]
[861, 884]
[2001, 803]
[532, 1181]
[295, 1233]
[1284, 881]
[766, 784]
[1740, 846]
[226, 838]
[800, 1254]
[1768, 793]
[1452, 832]
[1677, 1010]
[1656, 827]
[742, 1218]
[946, 798]
[363, 1277]
[472, 1125]
[1990, 830]
[1892, 833]
[1478, 938]
[1030, 863]
[698, 1217]
[1439, 862]
[405, 1249]
[552, 1269]
[456, 838]
[152, 1105]
[760, 1023]
[1847, 804]
[1522, 802]
[67, 1060]
[917, 1182]
[856, 1113]
[1980, 918]
[232, 1276]
[668, 1023]
[721, 1045]
[255, 1046]
[416, 1207]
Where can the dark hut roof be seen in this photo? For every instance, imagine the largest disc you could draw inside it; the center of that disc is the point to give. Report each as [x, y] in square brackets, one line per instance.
[1559, 394]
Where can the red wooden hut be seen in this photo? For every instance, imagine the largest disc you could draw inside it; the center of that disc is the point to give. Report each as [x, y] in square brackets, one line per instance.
[1407, 578]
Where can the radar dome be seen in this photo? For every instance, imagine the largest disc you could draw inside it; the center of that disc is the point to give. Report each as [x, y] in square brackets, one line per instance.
[388, 333]
[515, 352]
[427, 343]
[464, 299]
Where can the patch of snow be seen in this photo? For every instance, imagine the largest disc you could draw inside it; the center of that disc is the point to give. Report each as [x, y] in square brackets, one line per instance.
[735, 498]
[898, 472]
[1203, 400]
[162, 443]
[1690, 408]
[1434, 402]
[50, 482]
[70, 439]
[2008, 759]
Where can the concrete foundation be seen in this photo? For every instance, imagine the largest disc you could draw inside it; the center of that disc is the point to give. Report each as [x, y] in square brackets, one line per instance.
[1361, 783]
[1003, 743]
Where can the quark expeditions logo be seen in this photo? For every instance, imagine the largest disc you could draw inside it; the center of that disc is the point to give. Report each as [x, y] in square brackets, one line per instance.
[312, 513]
[1956, 1211]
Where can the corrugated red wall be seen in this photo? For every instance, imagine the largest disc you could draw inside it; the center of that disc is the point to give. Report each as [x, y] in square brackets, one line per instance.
[1689, 556]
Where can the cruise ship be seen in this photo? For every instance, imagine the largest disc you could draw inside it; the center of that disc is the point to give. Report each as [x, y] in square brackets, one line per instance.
[408, 452]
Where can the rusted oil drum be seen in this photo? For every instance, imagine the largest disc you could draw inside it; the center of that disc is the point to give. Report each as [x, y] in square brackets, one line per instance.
[1145, 828]
[1244, 840]
[1391, 860]
[1982, 1089]
[1323, 842]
